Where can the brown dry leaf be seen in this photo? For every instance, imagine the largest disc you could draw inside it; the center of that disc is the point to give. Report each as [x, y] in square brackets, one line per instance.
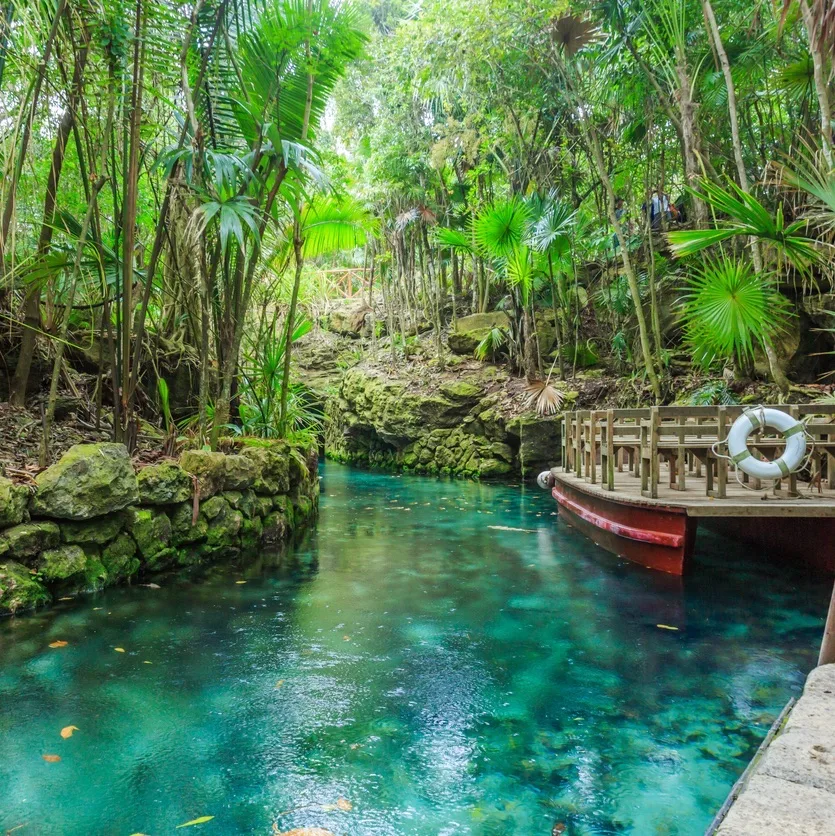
[119, 649]
[51, 758]
[344, 805]
[58, 644]
[541, 395]
[68, 730]
[346, 638]
[16, 827]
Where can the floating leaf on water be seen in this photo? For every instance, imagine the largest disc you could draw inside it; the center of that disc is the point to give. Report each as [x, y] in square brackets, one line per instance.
[279, 683]
[344, 805]
[98, 608]
[51, 758]
[58, 644]
[510, 528]
[67, 731]
[201, 820]
[67, 598]
[151, 585]
[146, 662]
[558, 828]
[346, 638]
[666, 627]
[240, 581]
[119, 649]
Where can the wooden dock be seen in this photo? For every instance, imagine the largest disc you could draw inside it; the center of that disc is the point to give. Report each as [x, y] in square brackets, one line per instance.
[640, 481]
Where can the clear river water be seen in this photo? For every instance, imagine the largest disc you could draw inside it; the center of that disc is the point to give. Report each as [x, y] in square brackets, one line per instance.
[438, 657]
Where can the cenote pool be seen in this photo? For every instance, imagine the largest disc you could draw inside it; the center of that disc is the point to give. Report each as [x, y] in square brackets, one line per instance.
[437, 658]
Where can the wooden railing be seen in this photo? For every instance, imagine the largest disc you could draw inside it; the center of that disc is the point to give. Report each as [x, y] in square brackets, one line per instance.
[691, 440]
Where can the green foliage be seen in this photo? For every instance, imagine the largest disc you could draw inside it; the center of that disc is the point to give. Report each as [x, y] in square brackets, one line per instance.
[715, 393]
[492, 343]
[729, 310]
[501, 228]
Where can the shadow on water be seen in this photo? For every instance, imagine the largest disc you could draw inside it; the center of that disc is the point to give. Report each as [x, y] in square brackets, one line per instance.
[447, 657]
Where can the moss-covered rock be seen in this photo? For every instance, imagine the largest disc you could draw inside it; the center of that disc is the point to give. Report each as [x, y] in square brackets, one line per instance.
[251, 531]
[89, 480]
[165, 483]
[183, 532]
[209, 468]
[224, 527]
[14, 501]
[241, 472]
[30, 539]
[469, 331]
[490, 468]
[151, 531]
[20, 588]
[276, 528]
[462, 390]
[63, 562]
[99, 531]
[119, 558]
[272, 468]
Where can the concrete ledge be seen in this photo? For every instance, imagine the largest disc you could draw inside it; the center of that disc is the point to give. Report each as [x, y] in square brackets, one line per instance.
[792, 788]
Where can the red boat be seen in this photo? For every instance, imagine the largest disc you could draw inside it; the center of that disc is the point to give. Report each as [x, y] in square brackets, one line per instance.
[611, 487]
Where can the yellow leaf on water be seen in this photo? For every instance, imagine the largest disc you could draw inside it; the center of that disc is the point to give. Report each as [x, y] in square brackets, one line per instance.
[119, 649]
[67, 731]
[346, 638]
[51, 758]
[146, 662]
[666, 627]
[344, 805]
[67, 598]
[279, 683]
[240, 581]
[137, 834]
[98, 608]
[59, 644]
[201, 820]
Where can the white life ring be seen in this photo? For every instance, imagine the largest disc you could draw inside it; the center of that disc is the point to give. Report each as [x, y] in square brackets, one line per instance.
[750, 420]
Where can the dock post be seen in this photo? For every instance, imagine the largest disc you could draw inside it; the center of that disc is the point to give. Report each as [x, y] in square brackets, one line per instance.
[827, 652]
[610, 450]
[593, 447]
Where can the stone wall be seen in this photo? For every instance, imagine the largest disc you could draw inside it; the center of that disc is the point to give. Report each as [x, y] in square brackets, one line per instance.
[91, 520]
[456, 428]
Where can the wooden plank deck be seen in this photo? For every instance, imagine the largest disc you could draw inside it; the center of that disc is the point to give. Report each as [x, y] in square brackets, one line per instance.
[739, 501]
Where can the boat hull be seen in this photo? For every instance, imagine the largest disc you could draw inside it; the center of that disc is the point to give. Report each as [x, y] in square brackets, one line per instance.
[659, 537]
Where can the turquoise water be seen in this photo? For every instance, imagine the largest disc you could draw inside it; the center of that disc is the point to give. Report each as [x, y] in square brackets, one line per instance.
[438, 658]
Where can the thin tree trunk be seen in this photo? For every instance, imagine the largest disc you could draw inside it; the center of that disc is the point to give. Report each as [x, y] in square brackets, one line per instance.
[819, 67]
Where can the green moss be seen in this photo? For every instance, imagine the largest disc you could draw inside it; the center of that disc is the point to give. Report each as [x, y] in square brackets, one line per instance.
[20, 588]
[151, 531]
[208, 467]
[119, 558]
[29, 539]
[99, 531]
[63, 562]
[164, 484]
[14, 500]
[182, 530]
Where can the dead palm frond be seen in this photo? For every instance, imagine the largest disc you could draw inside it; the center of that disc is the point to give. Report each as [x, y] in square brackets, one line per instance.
[544, 397]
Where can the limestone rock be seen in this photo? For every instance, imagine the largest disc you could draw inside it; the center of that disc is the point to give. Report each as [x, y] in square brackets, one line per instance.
[89, 480]
[164, 484]
[471, 330]
[29, 539]
[63, 562]
[272, 468]
[208, 467]
[349, 321]
[241, 473]
[151, 531]
[20, 589]
[96, 531]
[539, 442]
[119, 558]
[275, 529]
[182, 530]
[13, 503]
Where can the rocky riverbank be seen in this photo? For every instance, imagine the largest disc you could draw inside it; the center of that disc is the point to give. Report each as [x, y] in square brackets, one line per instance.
[461, 425]
[91, 520]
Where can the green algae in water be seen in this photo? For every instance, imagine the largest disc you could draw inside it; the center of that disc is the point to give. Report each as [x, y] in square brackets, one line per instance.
[447, 656]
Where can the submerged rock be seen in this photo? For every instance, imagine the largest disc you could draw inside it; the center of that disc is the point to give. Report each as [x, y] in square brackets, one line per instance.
[89, 480]
[163, 484]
